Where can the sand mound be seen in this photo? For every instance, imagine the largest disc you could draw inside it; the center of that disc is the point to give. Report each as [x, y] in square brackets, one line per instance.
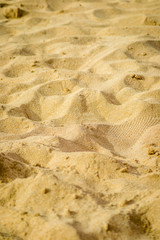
[79, 120]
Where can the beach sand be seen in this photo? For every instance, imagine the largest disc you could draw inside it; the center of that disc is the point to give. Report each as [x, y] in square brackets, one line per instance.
[79, 120]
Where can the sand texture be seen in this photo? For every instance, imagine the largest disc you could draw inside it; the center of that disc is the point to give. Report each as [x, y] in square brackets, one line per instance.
[79, 120]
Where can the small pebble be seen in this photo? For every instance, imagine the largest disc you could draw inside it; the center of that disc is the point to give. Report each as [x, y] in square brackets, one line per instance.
[151, 151]
[149, 170]
[137, 77]
[46, 190]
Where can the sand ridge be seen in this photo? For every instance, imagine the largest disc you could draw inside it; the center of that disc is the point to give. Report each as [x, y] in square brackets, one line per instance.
[79, 120]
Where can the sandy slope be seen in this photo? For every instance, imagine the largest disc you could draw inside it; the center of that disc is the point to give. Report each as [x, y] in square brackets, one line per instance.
[79, 119]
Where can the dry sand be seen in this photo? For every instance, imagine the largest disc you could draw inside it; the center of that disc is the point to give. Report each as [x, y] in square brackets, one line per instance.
[80, 120]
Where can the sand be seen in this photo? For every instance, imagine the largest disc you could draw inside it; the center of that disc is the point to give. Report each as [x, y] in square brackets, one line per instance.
[79, 120]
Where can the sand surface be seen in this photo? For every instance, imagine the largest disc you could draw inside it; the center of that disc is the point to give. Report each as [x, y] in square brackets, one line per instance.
[79, 120]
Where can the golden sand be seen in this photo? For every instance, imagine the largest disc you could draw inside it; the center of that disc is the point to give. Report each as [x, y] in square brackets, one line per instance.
[80, 120]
